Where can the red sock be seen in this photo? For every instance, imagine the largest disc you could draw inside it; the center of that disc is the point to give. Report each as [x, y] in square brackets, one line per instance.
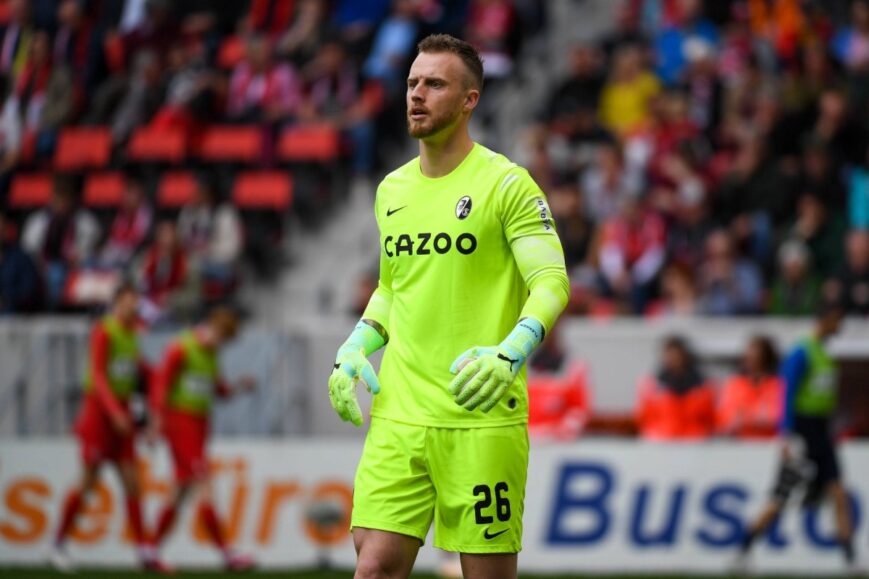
[164, 523]
[212, 524]
[134, 514]
[70, 509]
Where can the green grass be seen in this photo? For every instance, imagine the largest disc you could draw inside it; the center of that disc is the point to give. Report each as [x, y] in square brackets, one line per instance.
[125, 574]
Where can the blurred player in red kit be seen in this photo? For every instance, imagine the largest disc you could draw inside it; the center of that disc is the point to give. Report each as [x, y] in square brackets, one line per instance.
[181, 400]
[105, 426]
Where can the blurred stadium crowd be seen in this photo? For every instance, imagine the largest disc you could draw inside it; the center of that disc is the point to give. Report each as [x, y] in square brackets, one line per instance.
[701, 158]
[711, 158]
[169, 141]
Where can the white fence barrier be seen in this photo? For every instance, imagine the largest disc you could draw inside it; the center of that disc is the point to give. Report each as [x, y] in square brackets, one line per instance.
[598, 505]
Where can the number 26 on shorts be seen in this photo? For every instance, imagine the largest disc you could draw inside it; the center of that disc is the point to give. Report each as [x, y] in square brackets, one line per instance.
[483, 506]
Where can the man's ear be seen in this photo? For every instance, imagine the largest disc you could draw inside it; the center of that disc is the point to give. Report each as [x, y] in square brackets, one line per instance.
[471, 99]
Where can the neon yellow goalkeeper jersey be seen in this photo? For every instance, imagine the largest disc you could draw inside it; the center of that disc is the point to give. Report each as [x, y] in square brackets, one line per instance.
[458, 255]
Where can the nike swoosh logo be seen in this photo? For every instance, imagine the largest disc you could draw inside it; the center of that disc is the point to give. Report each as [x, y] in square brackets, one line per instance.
[489, 536]
[391, 211]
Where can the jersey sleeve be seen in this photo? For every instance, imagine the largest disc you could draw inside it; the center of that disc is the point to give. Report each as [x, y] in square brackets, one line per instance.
[380, 303]
[530, 231]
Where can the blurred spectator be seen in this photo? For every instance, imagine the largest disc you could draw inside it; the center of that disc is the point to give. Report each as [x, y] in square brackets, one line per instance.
[704, 90]
[851, 285]
[836, 126]
[608, 183]
[262, 90]
[11, 133]
[575, 229]
[755, 197]
[19, 280]
[804, 84]
[132, 15]
[822, 228]
[165, 280]
[858, 198]
[729, 285]
[677, 42]
[357, 21]
[211, 234]
[393, 46]
[126, 101]
[818, 176]
[624, 102]
[796, 290]
[16, 38]
[191, 91]
[155, 32]
[558, 392]
[678, 293]
[60, 238]
[269, 17]
[337, 96]
[577, 94]
[750, 402]
[306, 34]
[691, 223]
[677, 403]
[76, 46]
[850, 46]
[492, 29]
[627, 30]
[130, 227]
[44, 95]
[632, 253]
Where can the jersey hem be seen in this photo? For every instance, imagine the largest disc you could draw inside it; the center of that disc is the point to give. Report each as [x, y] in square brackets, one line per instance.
[454, 425]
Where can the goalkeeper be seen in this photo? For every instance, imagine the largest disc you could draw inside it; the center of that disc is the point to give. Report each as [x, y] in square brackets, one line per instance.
[471, 278]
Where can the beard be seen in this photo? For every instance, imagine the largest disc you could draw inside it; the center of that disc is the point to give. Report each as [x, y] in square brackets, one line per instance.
[432, 124]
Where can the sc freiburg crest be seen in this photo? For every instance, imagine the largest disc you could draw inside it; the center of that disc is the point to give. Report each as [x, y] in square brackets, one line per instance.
[463, 207]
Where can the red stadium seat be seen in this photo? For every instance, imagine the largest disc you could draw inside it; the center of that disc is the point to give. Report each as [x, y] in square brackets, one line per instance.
[230, 143]
[104, 189]
[157, 144]
[263, 190]
[33, 190]
[176, 189]
[309, 143]
[83, 148]
[231, 52]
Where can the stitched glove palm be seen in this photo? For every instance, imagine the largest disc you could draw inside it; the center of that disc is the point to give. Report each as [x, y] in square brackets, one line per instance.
[484, 375]
[351, 366]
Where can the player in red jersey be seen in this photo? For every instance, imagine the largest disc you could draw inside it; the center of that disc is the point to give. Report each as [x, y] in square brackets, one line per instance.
[181, 402]
[105, 427]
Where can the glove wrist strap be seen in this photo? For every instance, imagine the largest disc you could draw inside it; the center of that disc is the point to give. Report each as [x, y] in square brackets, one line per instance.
[364, 337]
[524, 338]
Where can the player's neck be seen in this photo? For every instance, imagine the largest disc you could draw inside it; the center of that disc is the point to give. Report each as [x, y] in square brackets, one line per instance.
[440, 158]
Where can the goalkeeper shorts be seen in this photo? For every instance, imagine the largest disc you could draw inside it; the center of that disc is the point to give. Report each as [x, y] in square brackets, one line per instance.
[470, 482]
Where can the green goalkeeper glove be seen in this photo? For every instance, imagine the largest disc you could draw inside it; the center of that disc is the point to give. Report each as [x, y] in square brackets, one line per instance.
[485, 373]
[352, 366]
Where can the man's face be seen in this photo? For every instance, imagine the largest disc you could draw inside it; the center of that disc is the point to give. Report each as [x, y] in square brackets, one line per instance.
[127, 306]
[438, 94]
[832, 323]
